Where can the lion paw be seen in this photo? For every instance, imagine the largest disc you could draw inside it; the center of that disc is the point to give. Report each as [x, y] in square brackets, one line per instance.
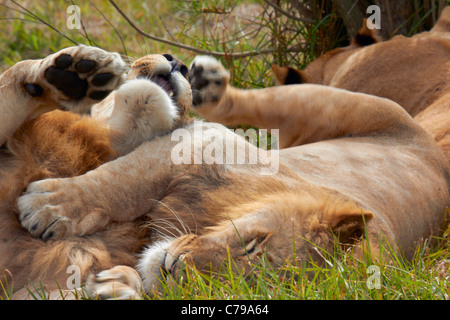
[77, 77]
[208, 79]
[142, 110]
[56, 208]
[119, 283]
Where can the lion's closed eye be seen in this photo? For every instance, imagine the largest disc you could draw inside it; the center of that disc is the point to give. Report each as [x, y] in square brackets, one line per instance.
[256, 244]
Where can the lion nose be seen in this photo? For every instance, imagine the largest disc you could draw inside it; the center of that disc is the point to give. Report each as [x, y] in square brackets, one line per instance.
[177, 65]
[180, 67]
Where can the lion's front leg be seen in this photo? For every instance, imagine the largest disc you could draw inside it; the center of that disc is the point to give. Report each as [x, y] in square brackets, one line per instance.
[54, 208]
[72, 79]
[121, 190]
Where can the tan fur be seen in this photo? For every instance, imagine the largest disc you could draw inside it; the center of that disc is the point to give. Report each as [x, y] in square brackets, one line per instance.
[198, 213]
[413, 72]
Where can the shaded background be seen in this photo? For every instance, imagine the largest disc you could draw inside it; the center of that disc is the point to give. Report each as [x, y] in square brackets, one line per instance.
[248, 36]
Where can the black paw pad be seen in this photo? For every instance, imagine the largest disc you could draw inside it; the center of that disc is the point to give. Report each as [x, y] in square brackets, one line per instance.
[196, 99]
[64, 61]
[99, 95]
[84, 66]
[199, 83]
[33, 89]
[67, 81]
[102, 79]
[195, 71]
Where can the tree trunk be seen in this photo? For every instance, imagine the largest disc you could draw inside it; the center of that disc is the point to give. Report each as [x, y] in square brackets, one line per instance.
[397, 17]
[351, 13]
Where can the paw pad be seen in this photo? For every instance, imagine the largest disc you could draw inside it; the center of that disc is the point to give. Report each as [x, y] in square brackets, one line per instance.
[64, 61]
[33, 89]
[84, 66]
[99, 95]
[67, 81]
[75, 78]
[102, 79]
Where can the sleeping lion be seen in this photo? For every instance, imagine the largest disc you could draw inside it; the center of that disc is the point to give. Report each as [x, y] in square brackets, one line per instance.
[413, 72]
[103, 193]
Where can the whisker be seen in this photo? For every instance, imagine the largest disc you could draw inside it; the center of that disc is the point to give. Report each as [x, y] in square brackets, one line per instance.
[193, 218]
[164, 236]
[185, 227]
[164, 232]
[165, 225]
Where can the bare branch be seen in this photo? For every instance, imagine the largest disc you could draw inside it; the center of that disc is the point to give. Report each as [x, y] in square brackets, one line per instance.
[197, 50]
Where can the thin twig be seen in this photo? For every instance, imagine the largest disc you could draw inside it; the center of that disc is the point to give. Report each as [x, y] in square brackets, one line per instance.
[115, 30]
[197, 50]
[14, 9]
[43, 21]
[91, 42]
[165, 27]
[20, 19]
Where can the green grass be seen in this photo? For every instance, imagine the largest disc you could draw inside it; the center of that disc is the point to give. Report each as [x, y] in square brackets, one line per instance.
[24, 36]
[340, 276]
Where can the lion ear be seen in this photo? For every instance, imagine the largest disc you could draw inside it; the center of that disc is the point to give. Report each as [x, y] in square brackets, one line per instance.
[287, 75]
[365, 36]
[348, 223]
